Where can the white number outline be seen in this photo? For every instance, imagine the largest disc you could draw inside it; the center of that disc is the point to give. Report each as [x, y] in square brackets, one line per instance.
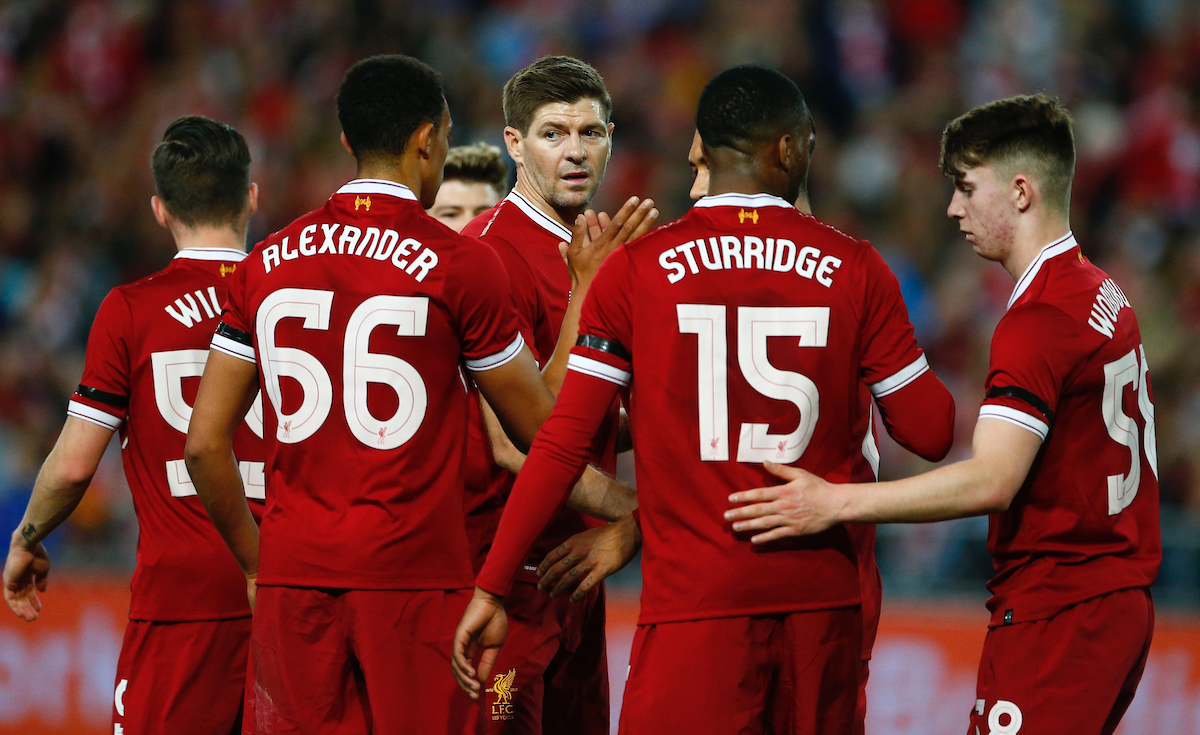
[755, 325]
[1122, 372]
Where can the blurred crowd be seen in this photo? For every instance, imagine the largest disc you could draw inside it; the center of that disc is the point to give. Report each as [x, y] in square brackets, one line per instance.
[87, 87]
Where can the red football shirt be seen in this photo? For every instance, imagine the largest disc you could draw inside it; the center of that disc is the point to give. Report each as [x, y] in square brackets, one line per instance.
[526, 239]
[358, 315]
[146, 352]
[1068, 364]
[745, 332]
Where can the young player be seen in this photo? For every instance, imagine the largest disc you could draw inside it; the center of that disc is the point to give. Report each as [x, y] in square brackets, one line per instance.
[474, 179]
[731, 638]
[355, 319]
[591, 556]
[558, 132]
[1064, 450]
[182, 667]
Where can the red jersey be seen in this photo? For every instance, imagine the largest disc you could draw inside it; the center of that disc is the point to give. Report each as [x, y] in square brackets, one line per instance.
[146, 352]
[744, 332]
[1068, 364]
[358, 315]
[526, 239]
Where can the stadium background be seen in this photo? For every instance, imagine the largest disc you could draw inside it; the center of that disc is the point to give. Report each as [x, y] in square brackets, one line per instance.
[87, 87]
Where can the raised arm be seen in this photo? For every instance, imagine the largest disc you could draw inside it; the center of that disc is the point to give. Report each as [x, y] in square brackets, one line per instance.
[226, 392]
[60, 485]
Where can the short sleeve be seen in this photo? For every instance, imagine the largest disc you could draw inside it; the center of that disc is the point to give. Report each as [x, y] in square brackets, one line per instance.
[1034, 349]
[606, 325]
[891, 358]
[103, 394]
[480, 301]
[234, 336]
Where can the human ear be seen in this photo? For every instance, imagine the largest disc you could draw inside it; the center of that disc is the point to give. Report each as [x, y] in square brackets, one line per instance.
[1023, 192]
[424, 139]
[512, 143]
[161, 215]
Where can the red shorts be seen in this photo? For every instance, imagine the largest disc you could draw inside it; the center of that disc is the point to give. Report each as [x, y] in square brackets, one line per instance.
[182, 677]
[355, 661]
[795, 673]
[1073, 673]
[557, 650]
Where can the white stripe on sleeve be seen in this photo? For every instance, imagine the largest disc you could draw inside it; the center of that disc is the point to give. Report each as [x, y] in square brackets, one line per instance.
[93, 415]
[491, 362]
[901, 378]
[597, 369]
[233, 348]
[1013, 416]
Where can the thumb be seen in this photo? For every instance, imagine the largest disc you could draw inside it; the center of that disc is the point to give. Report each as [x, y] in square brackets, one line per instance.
[562, 250]
[785, 471]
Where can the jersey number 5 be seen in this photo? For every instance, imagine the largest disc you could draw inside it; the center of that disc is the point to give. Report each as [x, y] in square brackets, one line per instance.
[755, 325]
[360, 367]
[1127, 371]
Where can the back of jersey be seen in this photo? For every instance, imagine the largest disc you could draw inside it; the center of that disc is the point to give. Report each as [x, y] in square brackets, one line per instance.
[358, 315]
[146, 353]
[752, 329]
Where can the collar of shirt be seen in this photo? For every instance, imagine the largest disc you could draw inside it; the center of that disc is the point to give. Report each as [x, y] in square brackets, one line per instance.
[225, 254]
[378, 186]
[742, 200]
[1064, 244]
[539, 217]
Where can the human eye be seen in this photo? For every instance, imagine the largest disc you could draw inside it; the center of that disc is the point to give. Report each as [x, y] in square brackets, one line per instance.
[552, 134]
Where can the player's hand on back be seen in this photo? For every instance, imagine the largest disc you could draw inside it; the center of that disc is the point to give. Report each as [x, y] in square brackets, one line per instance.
[25, 573]
[595, 237]
[806, 504]
[588, 558]
[483, 628]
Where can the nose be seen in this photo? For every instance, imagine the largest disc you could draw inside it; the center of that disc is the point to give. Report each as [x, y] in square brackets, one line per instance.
[575, 152]
[956, 209]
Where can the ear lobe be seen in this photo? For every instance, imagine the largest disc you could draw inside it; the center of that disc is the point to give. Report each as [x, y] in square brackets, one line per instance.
[1023, 193]
[512, 143]
[785, 153]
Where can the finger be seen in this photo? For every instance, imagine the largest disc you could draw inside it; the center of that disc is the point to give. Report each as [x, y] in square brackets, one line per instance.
[461, 663]
[762, 523]
[35, 601]
[563, 248]
[756, 495]
[486, 662]
[586, 585]
[604, 220]
[571, 579]
[634, 223]
[774, 535]
[619, 221]
[594, 230]
[786, 471]
[552, 558]
[756, 510]
[41, 580]
[646, 224]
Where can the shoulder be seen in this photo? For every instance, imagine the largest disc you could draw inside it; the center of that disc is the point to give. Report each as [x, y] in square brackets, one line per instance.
[483, 221]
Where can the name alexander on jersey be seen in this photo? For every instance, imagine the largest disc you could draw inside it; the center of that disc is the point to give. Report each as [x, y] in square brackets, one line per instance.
[381, 245]
[732, 251]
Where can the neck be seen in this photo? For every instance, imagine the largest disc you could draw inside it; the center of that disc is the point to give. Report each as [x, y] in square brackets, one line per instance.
[564, 215]
[404, 170]
[1031, 236]
[231, 237]
[802, 203]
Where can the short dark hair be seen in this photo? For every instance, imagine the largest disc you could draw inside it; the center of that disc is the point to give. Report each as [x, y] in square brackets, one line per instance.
[202, 171]
[749, 105]
[384, 99]
[551, 79]
[477, 163]
[1033, 133]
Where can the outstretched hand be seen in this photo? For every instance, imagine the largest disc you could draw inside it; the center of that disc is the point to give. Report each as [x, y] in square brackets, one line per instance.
[805, 505]
[595, 237]
[586, 559]
[484, 626]
[25, 573]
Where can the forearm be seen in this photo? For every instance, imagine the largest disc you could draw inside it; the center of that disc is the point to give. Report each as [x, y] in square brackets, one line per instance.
[62, 480]
[53, 500]
[600, 496]
[219, 486]
[959, 490]
[504, 453]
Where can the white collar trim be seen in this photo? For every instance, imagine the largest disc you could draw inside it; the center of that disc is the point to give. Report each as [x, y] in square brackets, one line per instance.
[225, 254]
[378, 186]
[1062, 245]
[547, 222]
[742, 200]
